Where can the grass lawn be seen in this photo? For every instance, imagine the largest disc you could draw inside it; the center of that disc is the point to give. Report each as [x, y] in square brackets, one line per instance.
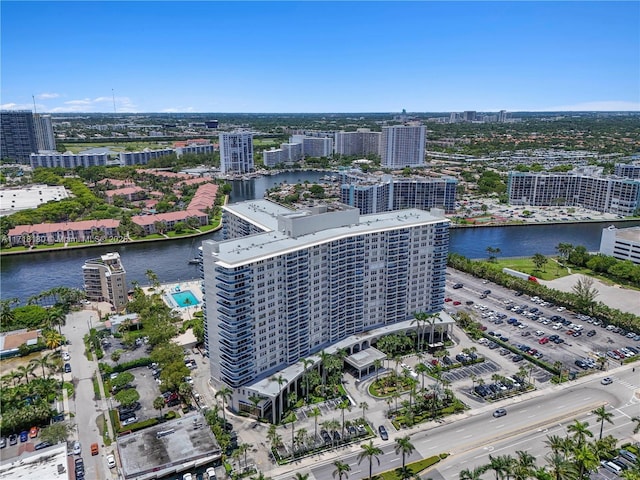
[550, 271]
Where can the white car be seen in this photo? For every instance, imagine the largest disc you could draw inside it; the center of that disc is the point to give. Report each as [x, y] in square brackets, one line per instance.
[560, 309]
[65, 356]
[77, 448]
[129, 421]
[111, 461]
[211, 473]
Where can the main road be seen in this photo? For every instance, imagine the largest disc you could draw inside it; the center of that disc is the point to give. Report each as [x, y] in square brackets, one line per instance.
[469, 438]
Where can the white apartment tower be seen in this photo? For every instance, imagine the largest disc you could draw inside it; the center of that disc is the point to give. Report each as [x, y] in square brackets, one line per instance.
[402, 146]
[45, 138]
[105, 280]
[299, 282]
[236, 152]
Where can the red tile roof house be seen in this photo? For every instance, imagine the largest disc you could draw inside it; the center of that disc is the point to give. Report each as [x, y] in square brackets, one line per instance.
[205, 197]
[114, 182]
[131, 194]
[49, 233]
[147, 222]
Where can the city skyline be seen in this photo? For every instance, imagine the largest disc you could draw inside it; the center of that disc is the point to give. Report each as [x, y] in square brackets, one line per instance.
[288, 57]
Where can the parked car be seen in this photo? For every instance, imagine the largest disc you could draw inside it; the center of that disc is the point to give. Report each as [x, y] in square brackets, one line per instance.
[77, 448]
[3, 442]
[501, 412]
[24, 436]
[129, 421]
[111, 461]
[13, 439]
[458, 285]
[94, 449]
[67, 368]
[383, 432]
[33, 432]
[42, 445]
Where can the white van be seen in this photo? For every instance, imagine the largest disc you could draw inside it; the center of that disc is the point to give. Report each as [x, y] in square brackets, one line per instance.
[612, 467]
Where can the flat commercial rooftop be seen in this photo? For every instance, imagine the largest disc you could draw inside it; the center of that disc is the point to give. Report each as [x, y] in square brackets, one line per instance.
[170, 447]
[47, 464]
[15, 199]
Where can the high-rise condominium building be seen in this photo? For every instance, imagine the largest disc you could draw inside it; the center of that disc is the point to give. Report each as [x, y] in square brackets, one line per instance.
[627, 170]
[582, 187]
[45, 138]
[384, 193]
[17, 135]
[105, 280]
[361, 142]
[236, 152]
[303, 281]
[402, 146]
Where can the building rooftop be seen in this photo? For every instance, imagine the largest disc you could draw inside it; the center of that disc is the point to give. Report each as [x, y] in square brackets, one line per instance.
[16, 199]
[169, 447]
[632, 234]
[262, 213]
[47, 464]
[308, 229]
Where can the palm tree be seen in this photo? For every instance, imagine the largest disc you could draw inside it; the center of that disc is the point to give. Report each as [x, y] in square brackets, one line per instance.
[501, 465]
[281, 381]
[369, 451]
[56, 318]
[44, 362]
[224, 393]
[585, 459]
[52, 339]
[341, 469]
[315, 413]
[560, 467]
[524, 465]
[475, 474]
[404, 446]
[344, 405]
[306, 363]
[377, 363]
[301, 476]
[580, 431]
[255, 400]
[243, 448]
[158, 404]
[291, 418]
[26, 370]
[364, 406]
[603, 416]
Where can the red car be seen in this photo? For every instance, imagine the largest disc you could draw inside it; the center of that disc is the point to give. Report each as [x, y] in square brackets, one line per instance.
[447, 299]
[33, 433]
[456, 302]
[543, 340]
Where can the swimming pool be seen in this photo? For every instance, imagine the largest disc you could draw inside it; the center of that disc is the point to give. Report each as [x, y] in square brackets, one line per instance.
[185, 298]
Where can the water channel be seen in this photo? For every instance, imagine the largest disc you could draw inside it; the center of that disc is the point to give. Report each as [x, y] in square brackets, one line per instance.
[22, 276]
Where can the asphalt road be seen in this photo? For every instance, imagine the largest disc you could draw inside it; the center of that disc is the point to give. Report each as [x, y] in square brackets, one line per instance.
[469, 438]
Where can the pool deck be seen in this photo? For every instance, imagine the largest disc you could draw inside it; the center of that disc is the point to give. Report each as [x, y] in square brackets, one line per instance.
[168, 288]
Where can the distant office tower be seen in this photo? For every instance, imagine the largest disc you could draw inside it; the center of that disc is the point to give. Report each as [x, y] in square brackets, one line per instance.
[453, 117]
[502, 116]
[621, 243]
[236, 152]
[469, 116]
[213, 124]
[303, 281]
[45, 139]
[105, 280]
[376, 194]
[402, 146]
[361, 142]
[627, 170]
[17, 135]
[584, 187]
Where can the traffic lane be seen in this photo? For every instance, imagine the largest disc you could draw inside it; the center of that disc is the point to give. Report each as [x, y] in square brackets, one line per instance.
[389, 460]
[534, 441]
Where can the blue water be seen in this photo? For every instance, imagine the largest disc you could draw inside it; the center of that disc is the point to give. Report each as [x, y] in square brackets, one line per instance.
[185, 298]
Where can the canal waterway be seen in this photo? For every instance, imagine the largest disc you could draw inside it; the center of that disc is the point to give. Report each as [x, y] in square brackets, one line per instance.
[22, 276]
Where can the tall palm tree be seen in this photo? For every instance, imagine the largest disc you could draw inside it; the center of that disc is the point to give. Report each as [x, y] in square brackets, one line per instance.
[502, 465]
[344, 405]
[342, 469]
[255, 400]
[404, 446]
[44, 362]
[315, 413]
[370, 451]
[377, 363]
[53, 339]
[224, 393]
[560, 467]
[585, 459]
[524, 465]
[306, 363]
[475, 474]
[56, 318]
[580, 431]
[602, 416]
[364, 406]
[26, 370]
[281, 381]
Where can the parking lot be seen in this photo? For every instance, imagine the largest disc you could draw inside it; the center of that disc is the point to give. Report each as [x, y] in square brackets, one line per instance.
[550, 332]
[486, 368]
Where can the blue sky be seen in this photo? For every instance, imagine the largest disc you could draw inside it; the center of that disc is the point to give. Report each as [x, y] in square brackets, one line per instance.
[319, 56]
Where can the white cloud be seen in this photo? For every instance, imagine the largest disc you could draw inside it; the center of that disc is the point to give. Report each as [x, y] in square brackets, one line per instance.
[47, 96]
[98, 104]
[16, 106]
[177, 110]
[598, 106]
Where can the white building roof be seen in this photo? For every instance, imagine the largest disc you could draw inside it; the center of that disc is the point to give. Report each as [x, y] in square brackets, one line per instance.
[246, 250]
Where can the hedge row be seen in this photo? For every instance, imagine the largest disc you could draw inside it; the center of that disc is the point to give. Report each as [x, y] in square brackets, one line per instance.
[121, 367]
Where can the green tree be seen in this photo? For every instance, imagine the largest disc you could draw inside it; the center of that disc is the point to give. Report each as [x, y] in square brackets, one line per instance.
[342, 469]
[603, 416]
[404, 446]
[539, 260]
[158, 404]
[56, 432]
[127, 397]
[370, 451]
[475, 474]
[585, 292]
[580, 431]
[225, 394]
